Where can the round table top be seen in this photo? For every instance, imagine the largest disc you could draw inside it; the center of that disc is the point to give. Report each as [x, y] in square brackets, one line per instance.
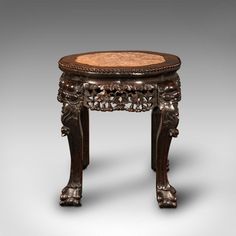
[118, 63]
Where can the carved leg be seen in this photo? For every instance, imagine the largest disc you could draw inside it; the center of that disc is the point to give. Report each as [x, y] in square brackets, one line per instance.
[71, 120]
[168, 117]
[155, 127]
[85, 127]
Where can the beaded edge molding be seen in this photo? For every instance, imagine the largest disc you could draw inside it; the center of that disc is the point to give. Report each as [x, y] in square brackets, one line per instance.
[148, 70]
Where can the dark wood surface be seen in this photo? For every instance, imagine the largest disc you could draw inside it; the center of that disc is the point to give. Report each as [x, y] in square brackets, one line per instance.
[69, 64]
[135, 89]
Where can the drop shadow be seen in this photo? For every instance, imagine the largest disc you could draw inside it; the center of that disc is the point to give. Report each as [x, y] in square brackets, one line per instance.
[122, 157]
[186, 198]
[102, 162]
[188, 195]
[181, 159]
[122, 189]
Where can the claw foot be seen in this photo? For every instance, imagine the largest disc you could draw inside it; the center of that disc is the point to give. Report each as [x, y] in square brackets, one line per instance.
[70, 196]
[166, 196]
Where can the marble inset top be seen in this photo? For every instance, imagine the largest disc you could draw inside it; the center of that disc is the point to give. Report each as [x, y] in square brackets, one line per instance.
[119, 59]
[120, 63]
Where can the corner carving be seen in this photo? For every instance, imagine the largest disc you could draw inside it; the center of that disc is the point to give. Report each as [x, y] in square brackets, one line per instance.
[70, 94]
[169, 94]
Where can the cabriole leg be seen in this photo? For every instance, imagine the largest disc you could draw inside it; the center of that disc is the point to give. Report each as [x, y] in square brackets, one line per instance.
[71, 119]
[165, 119]
[167, 113]
[154, 130]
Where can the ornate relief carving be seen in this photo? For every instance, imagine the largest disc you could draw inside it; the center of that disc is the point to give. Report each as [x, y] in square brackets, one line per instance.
[69, 115]
[111, 97]
[71, 196]
[166, 196]
[164, 93]
[70, 93]
[169, 96]
[133, 97]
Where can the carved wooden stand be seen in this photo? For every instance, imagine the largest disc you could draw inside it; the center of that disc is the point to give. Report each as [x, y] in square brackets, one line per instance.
[153, 87]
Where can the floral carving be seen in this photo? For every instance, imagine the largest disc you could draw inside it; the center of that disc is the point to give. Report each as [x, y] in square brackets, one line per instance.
[119, 97]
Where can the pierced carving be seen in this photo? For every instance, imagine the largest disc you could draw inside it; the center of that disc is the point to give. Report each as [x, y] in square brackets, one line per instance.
[133, 97]
[111, 97]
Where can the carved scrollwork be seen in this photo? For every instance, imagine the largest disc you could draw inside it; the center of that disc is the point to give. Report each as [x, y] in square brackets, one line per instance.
[70, 93]
[169, 95]
[69, 115]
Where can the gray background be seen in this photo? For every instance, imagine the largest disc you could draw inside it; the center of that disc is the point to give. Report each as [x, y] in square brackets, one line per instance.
[119, 186]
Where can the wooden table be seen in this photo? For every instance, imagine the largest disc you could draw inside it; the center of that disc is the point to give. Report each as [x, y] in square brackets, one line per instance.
[133, 81]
